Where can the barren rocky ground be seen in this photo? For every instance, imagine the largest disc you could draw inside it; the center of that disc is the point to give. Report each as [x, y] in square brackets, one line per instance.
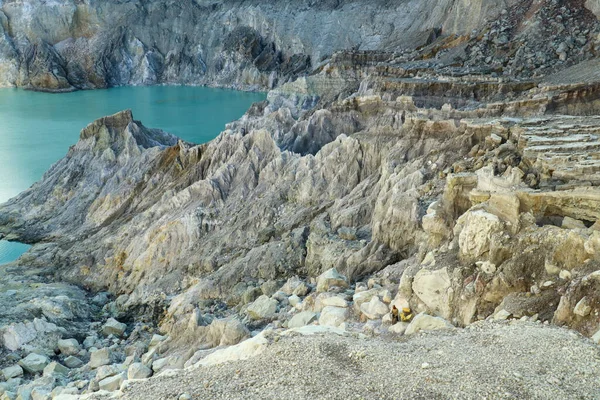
[488, 360]
[438, 195]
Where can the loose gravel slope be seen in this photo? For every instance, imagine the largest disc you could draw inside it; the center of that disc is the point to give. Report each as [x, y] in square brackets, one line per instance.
[503, 360]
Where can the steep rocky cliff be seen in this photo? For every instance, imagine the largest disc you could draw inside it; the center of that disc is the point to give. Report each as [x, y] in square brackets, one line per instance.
[66, 44]
[457, 179]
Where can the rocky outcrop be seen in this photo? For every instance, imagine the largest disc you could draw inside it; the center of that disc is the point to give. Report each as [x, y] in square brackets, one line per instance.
[386, 193]
[67, 45]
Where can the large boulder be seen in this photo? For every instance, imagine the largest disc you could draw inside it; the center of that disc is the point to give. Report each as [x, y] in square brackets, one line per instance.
[34, 363]
[374, 309]
[333, 316]
[475, 229]
[112, 383]
[114, 327]
[35, 334]
[331, 278]
[263, 308]
[434, 289]
[301, 319]
[138, 371]
[69, 347]
[100, 357]
[424, 322]
[12, 372]
[55, 368]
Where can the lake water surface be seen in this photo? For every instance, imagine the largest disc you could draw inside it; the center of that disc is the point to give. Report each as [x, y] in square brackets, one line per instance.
[36, 129]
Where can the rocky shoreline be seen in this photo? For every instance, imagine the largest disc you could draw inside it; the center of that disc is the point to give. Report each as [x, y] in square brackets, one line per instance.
[388, 198]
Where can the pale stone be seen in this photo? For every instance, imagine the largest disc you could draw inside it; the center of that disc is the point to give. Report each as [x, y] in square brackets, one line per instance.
[565, 275]
[434, 289]
[334, 301]
[424, 322]
[331, 278]
[114, 327]
[572, 223]
[69, 347]
[363, 297]
[301, 319]
[582, 308]
[501, 315]
[34, 363]
[108, 370]
[156, 340]
[596, 337]
[112, 383]
[477, 229]
[302, 289]
[100, 357]
[138, 371]
[262, 308]
[55, 368]
[398, 328]
[486, 267]
[374, 309]
[242, 351]
[73, 362]
[12, 372]
[294, 300]
[333, 316]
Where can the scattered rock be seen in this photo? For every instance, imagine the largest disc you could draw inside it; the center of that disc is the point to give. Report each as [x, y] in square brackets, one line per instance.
[112, 383]
[374, 309]
[263, 308]
[55, 368]
[329, 279]
[333, 316]
[424, 322]
[502, 315]
[100, 357]
[69, 347]
[114, 327]
[34, 363]
[583, 307]
[138, 371]
[73, 362]
[301, 319]
[12, 372]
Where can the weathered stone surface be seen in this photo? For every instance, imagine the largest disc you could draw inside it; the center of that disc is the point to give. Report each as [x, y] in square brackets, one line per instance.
[34, 363]
[114, 327]
[424, 322]
[374, 309]
[302, 318]
[434, 288]
[73, 362]
[69, 347]
[138, 371]
[12, 372]
[100, 357]
[331, 278]
[333, 316]
[112, 383]
[263, 308]
[55, 368]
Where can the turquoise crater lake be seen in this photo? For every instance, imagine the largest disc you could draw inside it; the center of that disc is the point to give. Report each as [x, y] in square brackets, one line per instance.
[36, 129]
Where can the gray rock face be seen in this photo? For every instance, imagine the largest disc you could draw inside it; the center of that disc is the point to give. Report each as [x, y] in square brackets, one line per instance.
[424, 322]
[138, 371]
[34, 363]
[100, 357]
[263, 308]
[69, 347]
[67, 44]
[114, 327]
[301, 319]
